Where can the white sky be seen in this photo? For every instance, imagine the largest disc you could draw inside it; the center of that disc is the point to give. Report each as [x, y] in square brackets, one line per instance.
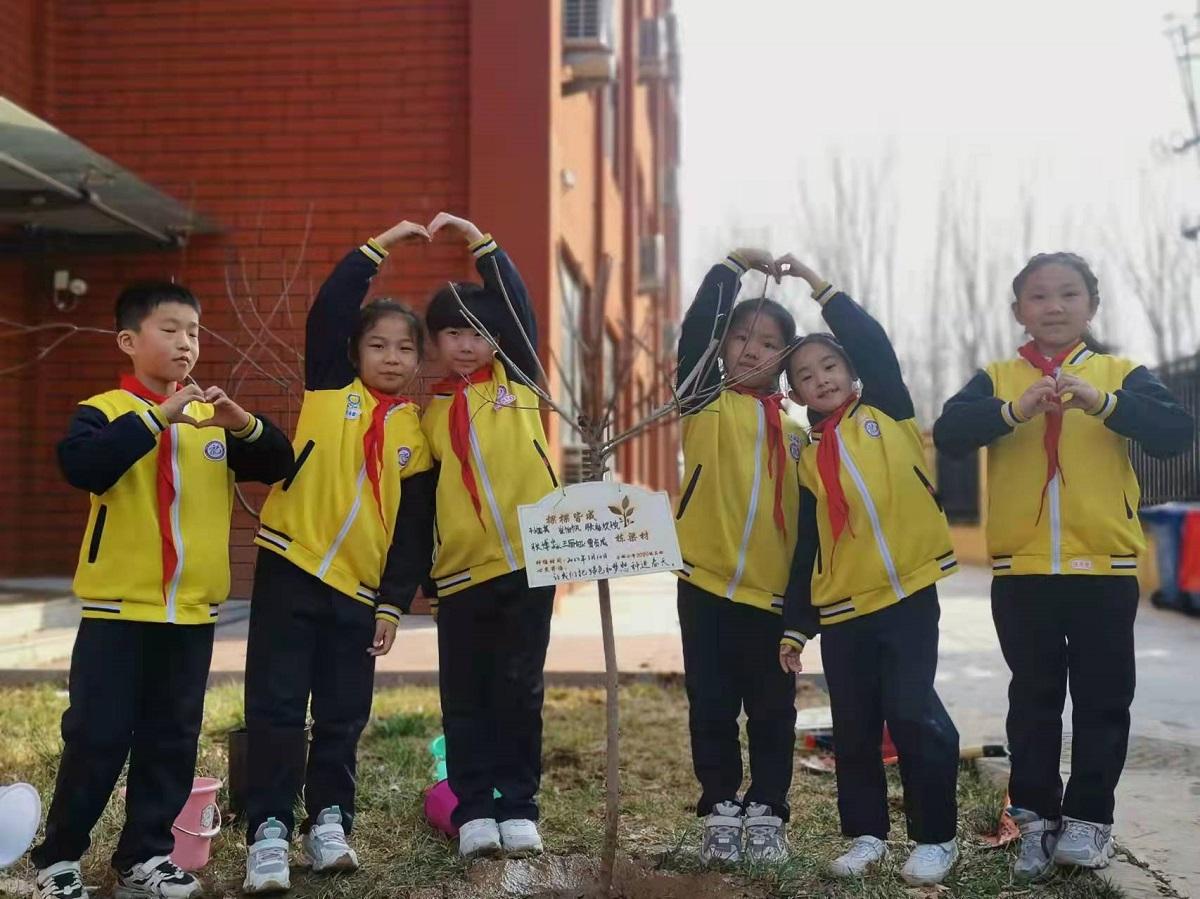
[1074, 94]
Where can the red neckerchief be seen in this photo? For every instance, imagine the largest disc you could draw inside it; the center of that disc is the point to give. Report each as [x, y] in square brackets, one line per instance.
[374, 438]
[772, 406]
[829, 466]
[1031, 354]
[460, 427]
[164, 482]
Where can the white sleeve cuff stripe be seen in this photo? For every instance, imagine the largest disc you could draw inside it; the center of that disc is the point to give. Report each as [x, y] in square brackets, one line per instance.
[370, 253]
[152, 423]
[1008, 414]
[484, 249]
[256, 433]
[734, 263]
[1106, 407]
[795, 636]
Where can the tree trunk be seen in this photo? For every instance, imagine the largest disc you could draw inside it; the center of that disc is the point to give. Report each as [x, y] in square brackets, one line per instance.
[612, 776]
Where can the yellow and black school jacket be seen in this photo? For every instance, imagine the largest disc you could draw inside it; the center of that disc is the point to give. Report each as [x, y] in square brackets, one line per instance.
[897, 541]
[508, 445]
[324, 518]
[1088, 521]
[725, 517]
[111, 450]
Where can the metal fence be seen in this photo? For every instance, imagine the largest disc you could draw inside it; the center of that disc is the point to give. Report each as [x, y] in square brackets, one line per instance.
[1178, 479]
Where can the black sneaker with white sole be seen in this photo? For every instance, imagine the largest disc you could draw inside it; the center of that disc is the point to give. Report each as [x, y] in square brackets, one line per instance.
[156, 878]
[61, 881]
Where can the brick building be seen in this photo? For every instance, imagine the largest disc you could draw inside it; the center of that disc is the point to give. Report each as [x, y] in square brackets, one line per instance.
[291, 132]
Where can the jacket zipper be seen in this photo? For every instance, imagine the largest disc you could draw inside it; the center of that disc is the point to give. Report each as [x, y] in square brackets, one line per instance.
[748, 528]
[491, 498]
[176, 530]
[873, 515]
[345, 528]
[1055, 526]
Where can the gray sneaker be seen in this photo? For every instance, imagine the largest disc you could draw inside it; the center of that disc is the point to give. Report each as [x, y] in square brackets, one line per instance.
[1035, 853]
[722, 842]
[766, 837]
[1084, 844]
[864, 853]
[324, 847]
[929, 863]
[267, 868]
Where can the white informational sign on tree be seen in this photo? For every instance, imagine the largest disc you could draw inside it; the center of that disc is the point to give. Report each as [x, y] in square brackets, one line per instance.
[598, 529]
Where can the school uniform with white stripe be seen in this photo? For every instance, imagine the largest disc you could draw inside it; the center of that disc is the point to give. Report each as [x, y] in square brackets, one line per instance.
[153, 571]
[873, 541]
[345, 540]
[1064, 540]
[735, 523]
[485, 433]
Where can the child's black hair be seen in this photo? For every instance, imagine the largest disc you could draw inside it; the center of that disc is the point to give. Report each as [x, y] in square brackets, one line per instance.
[1071, 260]
[382, 308]
[1090, 282]
[826, 340]
[760, 306]
[138, 300]
[484, 304]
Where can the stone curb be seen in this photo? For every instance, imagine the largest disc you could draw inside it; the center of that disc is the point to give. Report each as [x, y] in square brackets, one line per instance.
[1135, 879]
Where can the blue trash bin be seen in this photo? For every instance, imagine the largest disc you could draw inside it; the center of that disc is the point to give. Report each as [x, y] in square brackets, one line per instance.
[1165, 522]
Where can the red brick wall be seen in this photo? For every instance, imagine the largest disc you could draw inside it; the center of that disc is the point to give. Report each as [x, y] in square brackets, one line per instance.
[257, 112]
[18, 49]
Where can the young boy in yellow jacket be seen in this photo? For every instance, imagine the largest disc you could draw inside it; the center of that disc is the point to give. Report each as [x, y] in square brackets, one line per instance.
[1064, 537]
[873, 543]
[736, 526]
[485, 432]
[159, 460]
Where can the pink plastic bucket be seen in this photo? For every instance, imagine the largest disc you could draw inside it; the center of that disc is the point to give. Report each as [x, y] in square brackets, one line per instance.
[197, 824]
[439, 803]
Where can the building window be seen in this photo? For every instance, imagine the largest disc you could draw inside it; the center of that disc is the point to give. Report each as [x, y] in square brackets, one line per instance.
[572, 291]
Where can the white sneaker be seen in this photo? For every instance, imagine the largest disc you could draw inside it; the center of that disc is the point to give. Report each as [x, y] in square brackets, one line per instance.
[1084, 844]
[863, 854]
[722, 842]
[267, 868]
[156, 878]
[520, 838]
[766, 837]
[325, 847]
[929, 863]
[61, 880]
[1039, 837]
[479, 837]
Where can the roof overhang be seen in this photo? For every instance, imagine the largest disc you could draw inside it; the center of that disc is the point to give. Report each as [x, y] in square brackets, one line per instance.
[56, 193]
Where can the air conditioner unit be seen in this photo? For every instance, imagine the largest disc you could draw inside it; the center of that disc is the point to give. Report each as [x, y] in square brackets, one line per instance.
[588, 25]
[652, 49]
[589, 44]
[652, 262]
